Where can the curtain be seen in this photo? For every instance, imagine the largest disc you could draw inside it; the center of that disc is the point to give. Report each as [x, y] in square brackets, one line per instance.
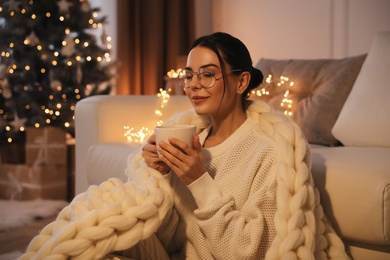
[153, 36]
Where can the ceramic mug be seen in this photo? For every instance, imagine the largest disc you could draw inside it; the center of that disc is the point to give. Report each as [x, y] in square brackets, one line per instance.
[184, 133]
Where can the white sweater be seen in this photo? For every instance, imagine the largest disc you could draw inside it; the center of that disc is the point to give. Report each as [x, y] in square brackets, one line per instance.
[227, 213]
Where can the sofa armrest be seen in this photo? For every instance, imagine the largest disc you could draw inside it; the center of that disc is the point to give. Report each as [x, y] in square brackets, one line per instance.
[101, 119]
[354, 183]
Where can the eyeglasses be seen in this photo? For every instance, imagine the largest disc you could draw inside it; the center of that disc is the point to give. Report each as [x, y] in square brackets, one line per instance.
[206, 78]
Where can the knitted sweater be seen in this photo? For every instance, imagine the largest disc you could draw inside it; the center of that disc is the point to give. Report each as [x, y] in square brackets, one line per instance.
[228, 213]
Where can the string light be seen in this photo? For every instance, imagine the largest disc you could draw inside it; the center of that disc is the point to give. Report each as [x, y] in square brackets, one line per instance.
[136, 137]
[173, 73]
[139, 136]
[287, 102]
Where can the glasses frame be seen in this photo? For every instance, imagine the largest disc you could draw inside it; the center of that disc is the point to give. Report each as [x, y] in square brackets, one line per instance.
[202, 71]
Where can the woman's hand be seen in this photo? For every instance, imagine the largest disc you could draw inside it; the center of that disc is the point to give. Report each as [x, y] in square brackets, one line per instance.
[149, 152]
[187, 163]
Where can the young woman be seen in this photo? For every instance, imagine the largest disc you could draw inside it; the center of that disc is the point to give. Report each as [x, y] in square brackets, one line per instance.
[244, 190]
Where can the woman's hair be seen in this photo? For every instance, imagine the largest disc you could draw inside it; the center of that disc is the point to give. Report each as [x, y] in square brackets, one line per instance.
[233, 52]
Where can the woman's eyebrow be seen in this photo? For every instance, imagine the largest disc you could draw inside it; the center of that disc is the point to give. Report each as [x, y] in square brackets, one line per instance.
[203, 66]
[209, 65]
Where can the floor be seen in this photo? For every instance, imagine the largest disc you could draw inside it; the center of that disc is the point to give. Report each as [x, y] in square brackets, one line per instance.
[18, 239]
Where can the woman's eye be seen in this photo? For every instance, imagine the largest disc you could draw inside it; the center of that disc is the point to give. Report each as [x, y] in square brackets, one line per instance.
[208, 74]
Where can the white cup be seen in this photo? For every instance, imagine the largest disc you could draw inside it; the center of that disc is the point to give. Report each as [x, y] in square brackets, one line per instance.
[184, 133]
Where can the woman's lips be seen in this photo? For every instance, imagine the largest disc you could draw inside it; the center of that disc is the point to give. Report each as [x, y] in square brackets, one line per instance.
[198, 99]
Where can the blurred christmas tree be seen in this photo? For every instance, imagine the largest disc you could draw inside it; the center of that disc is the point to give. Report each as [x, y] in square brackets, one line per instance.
[49, 60]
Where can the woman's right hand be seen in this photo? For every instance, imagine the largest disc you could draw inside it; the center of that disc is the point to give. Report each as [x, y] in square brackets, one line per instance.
[149, 152]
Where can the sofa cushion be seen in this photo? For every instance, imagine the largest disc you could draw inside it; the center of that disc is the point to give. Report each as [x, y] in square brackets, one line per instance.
[354, 184]
[364, 119]
[320, 90]
[108, 160]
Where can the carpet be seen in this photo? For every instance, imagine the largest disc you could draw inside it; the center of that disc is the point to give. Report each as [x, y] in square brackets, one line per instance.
[14, 214]
[11, 256]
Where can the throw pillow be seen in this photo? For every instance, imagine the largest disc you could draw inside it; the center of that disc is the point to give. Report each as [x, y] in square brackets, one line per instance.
[320, 90]
[365, 120]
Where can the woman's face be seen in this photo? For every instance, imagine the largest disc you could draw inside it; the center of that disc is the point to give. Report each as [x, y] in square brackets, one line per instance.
[212, 100]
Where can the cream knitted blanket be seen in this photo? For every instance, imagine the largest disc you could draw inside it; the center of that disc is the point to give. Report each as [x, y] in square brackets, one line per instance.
[115, 215]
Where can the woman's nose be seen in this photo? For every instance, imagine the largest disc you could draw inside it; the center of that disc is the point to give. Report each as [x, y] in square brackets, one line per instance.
[195, 83]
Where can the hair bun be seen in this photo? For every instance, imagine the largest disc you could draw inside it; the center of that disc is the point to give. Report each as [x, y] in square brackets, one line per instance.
[256, 78]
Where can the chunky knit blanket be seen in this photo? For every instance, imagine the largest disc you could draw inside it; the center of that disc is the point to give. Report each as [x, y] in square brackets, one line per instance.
[115, 215]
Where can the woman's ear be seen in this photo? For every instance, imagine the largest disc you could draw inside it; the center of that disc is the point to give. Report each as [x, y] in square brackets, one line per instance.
[243, 84]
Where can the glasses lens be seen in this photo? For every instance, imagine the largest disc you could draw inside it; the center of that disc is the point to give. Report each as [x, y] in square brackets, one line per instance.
[185, 78]
[205, 78]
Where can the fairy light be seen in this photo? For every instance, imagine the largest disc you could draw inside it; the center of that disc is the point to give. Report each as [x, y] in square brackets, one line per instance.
[287, 102]
[136, 137]
[173, 73]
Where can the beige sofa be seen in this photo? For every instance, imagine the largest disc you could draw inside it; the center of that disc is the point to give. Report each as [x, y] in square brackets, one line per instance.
[350, 163]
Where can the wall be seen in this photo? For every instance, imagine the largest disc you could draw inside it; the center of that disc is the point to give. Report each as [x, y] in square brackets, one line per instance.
[108, 8]
[203, 17]
[283, 29]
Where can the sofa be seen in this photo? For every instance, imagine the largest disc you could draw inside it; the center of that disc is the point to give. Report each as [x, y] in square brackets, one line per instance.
[342, 107]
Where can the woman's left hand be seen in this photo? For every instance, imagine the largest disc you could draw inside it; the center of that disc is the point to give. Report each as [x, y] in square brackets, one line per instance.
[187, 163]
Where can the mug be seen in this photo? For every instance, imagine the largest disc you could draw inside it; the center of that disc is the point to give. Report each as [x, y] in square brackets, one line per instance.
[184, 133]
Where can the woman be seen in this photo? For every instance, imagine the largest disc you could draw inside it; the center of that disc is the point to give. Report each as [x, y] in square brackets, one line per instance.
[244, 191]
[230, 199]
[220, 201]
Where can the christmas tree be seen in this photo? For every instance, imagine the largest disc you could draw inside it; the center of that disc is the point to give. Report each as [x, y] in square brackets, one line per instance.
[50, 59]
